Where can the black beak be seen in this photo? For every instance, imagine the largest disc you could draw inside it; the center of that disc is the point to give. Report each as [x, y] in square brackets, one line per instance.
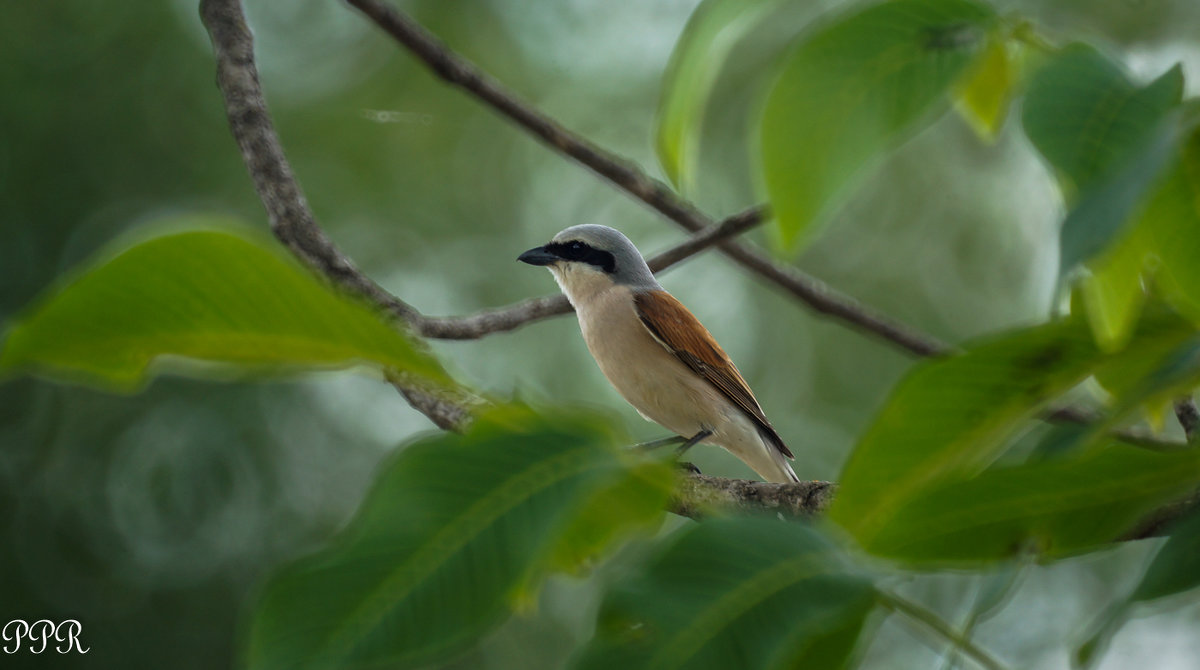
[538, 256]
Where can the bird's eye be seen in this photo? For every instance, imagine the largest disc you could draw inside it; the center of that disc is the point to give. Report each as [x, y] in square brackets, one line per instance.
[576, 246]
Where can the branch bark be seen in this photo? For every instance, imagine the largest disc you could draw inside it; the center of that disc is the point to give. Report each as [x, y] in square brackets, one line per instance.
[1188, 416]
[292, 222]
[701, 495]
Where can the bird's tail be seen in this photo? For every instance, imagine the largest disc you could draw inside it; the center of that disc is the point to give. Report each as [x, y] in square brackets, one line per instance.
[784, 470]
[776, 468]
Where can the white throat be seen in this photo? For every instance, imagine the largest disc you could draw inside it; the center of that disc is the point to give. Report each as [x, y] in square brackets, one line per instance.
[581, 283]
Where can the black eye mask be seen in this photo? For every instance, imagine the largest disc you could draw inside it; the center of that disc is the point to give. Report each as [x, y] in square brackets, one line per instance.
[582, 252]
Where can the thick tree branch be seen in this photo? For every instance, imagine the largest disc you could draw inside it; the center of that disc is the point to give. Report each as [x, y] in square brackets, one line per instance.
[699, 495]
[292, 221]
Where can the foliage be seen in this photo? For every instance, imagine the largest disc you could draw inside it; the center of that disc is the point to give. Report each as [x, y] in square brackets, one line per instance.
[459, 530]
[206, 294]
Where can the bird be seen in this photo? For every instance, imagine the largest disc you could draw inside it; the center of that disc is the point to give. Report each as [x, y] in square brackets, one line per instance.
[655, 352]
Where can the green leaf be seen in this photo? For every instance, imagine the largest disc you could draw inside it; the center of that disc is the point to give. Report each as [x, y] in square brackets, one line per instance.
[711, 33]
[1175, 570]
[1113, 294]
[1085, 116]
[205, 294]
[952, 417]
[456, 532]
[1173, 223]
[983, 97]
[1176, 567]
[855, 89]
[1108, 139]
[735, 593]
[1059, 506]
[1104, 209]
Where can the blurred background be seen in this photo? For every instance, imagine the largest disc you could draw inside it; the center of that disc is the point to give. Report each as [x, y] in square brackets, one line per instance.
[151, 518]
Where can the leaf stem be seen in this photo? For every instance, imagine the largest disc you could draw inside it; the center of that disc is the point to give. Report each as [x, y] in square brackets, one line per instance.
[935, 624]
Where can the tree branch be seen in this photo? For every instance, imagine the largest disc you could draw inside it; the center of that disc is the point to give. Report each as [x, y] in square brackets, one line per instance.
[1188, 416]
[292, 221]
[296, 227]
[701, 495]
[630, 178]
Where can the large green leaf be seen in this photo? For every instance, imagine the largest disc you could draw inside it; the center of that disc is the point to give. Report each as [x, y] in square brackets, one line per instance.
[735, 593]
[456, 532]
[1107, 138]
[1172, 221]
[854, 89]
[1162, 248]
[953, 416]
[711, 33]
[1056, 506]
[206, 294]
[1084, 114]
[949, 419]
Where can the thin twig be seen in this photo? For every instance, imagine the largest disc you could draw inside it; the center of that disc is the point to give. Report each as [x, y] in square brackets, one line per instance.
[936, 625]
[630, 178]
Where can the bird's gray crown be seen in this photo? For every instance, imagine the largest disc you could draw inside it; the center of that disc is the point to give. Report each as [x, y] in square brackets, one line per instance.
[627, 265]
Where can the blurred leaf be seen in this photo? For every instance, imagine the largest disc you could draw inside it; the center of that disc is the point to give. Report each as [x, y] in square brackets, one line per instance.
[1161, 248]
[1113, 294]
[711, 32]
[984, 95]
[455, 532]
[1175, 570]
[1173, 222]
[1085, 116]
[1176, 567]
[854, 89]
[1060, 439]
[1058, 506]
[1104, 210]
[207, 294]
[735, 593]
[994, 592]
[952, 416]
[1108, 139]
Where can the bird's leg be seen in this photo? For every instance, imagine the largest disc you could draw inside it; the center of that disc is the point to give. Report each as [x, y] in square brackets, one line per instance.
[664, 442]
[692, 441]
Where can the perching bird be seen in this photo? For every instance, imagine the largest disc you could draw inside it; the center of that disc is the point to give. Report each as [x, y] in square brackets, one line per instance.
[655, 352]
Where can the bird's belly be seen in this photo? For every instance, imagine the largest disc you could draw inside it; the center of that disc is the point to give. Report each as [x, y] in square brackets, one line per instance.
[659, 386]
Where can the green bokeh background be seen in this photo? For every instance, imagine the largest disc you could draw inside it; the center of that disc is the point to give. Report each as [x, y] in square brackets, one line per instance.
[151, 518]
